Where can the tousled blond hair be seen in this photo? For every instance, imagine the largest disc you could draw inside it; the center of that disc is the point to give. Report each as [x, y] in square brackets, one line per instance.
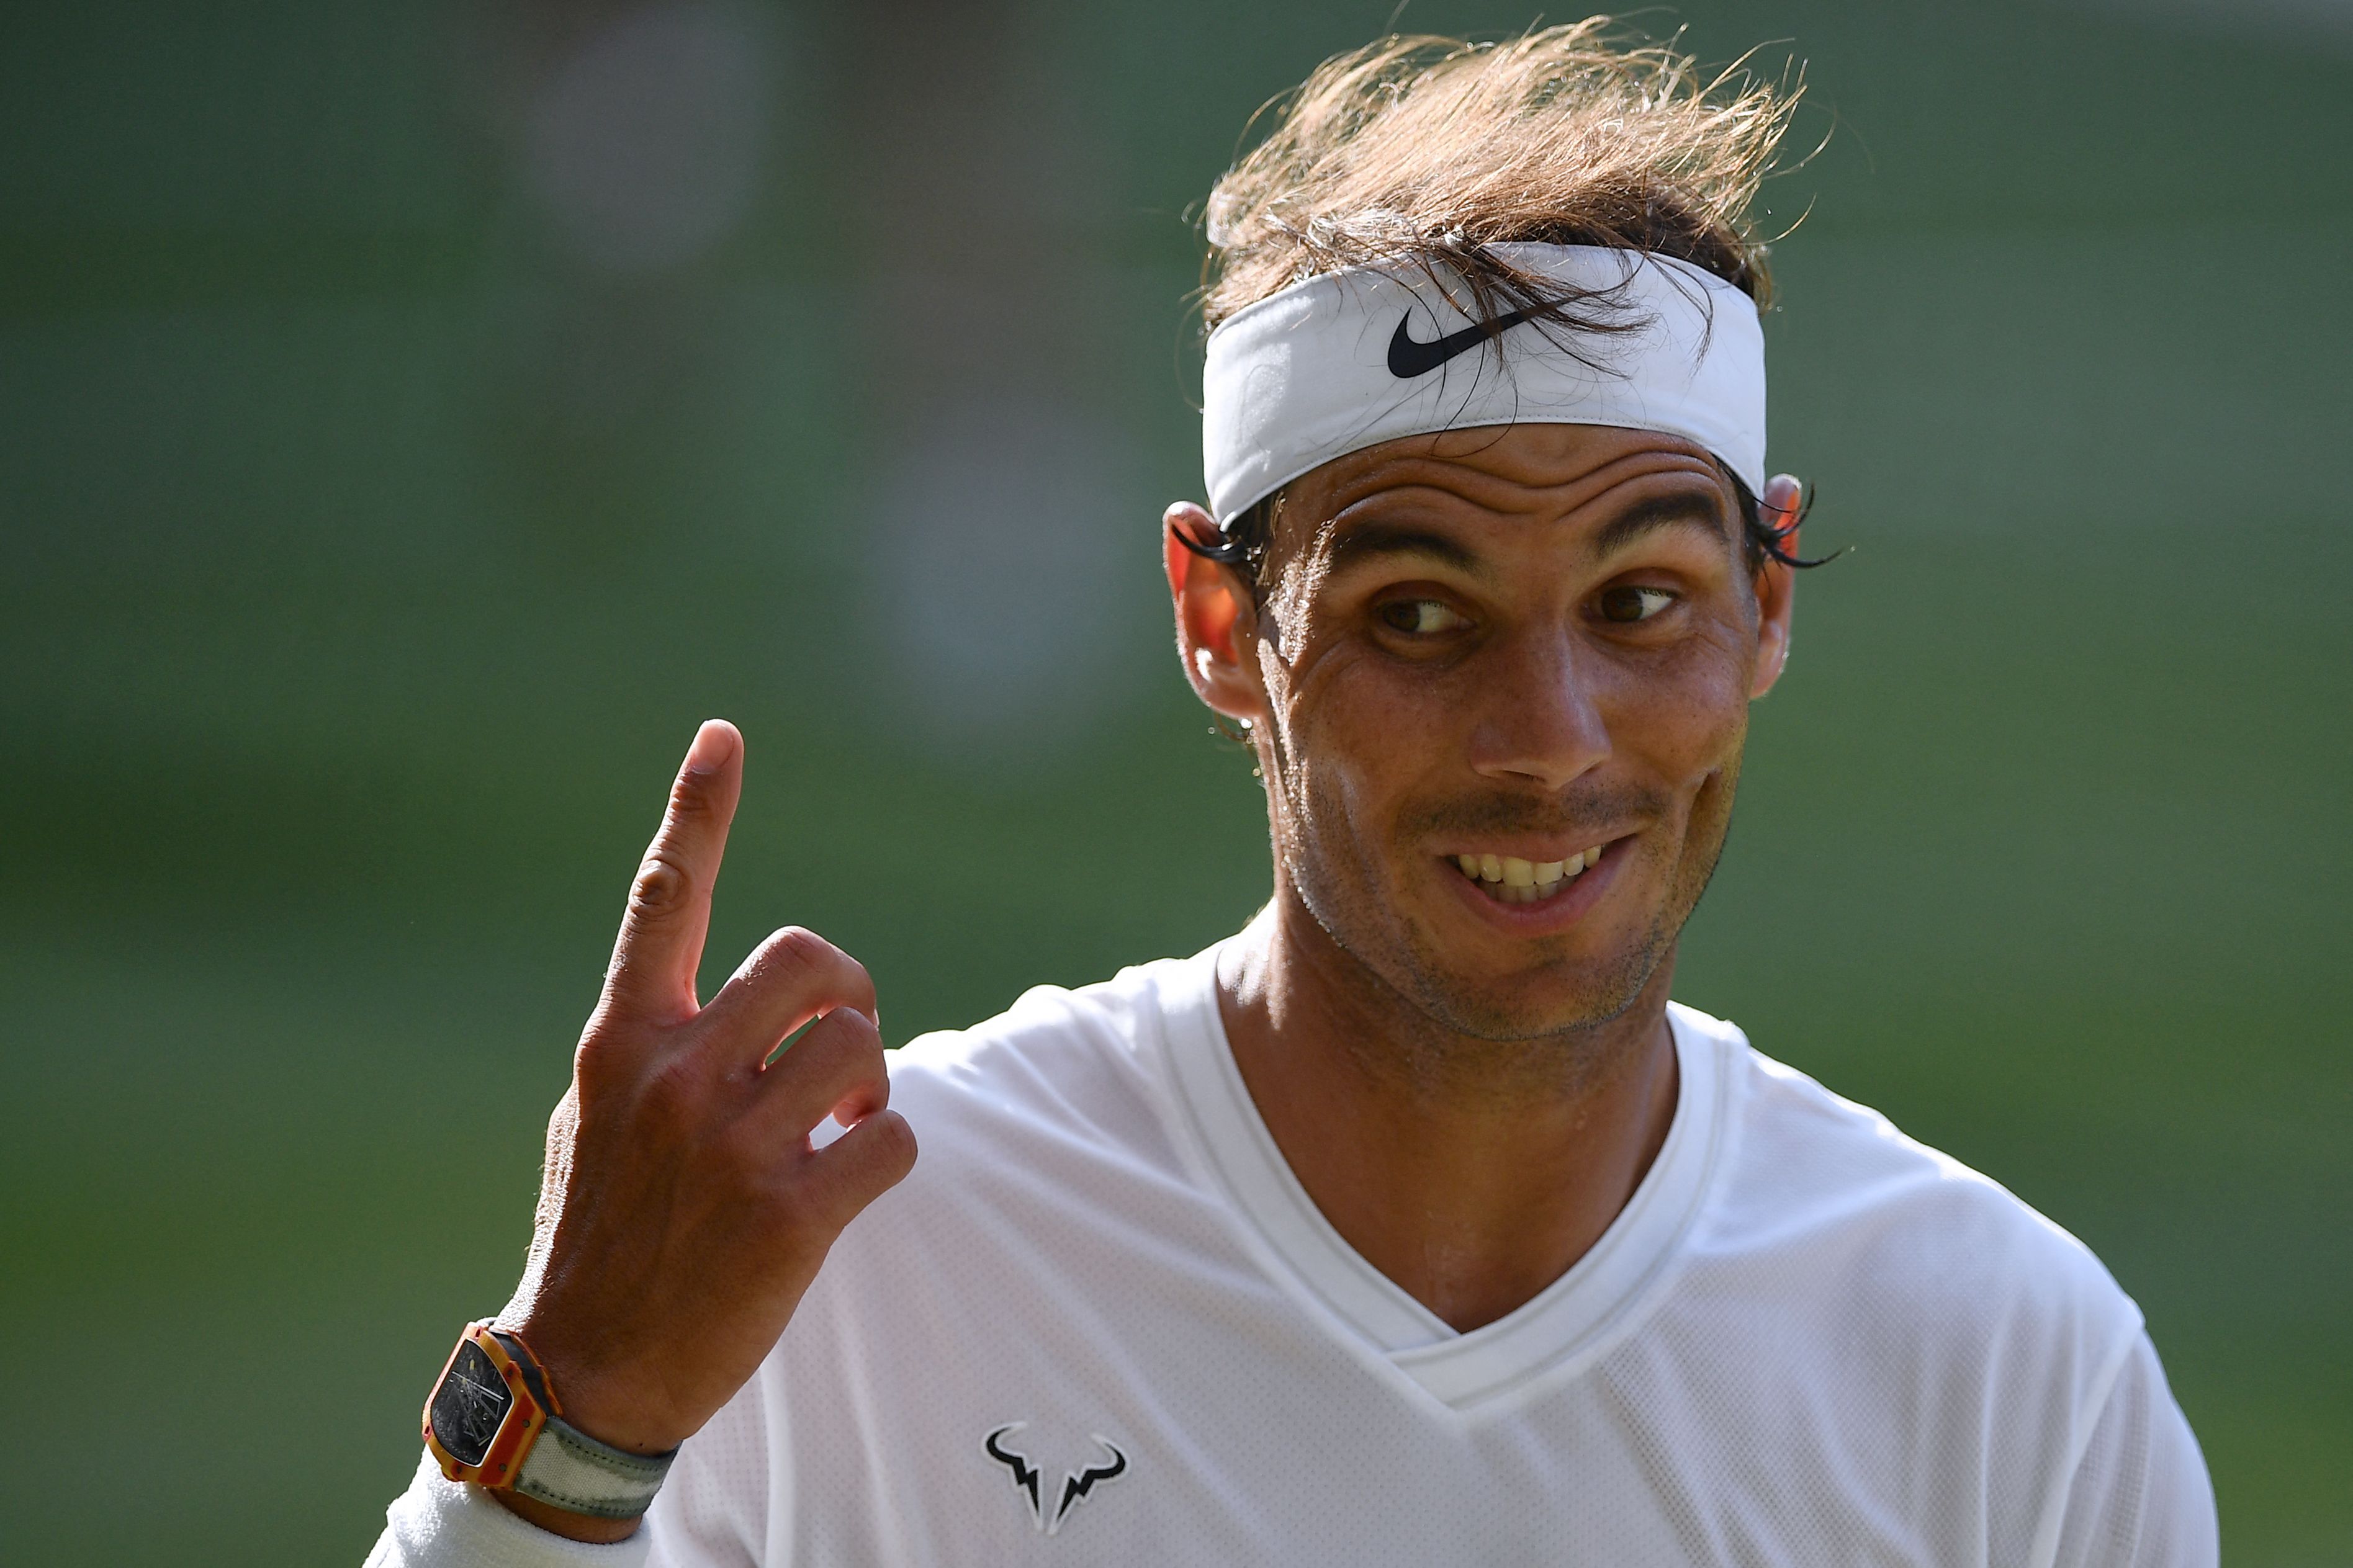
[1425, 151]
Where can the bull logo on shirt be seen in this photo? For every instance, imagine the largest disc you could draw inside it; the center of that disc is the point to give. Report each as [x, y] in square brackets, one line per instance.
[1076, 1486]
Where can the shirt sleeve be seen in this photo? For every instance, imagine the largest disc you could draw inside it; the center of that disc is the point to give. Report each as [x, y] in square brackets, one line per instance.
[441, 1523]
[2139, 1497]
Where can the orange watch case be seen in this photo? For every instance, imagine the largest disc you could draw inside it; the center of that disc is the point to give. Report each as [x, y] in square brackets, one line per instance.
[531, 1402]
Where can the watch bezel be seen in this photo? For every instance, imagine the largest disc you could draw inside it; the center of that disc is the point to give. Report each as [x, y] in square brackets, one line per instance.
[526, 1415]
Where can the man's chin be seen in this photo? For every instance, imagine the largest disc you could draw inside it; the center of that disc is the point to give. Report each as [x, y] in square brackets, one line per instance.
[1554, 998]
[1484, 984]
[1521, 972]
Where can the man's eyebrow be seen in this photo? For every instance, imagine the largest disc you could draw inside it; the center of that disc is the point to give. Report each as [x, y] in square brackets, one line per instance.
[1367, 541]
[1660, 511]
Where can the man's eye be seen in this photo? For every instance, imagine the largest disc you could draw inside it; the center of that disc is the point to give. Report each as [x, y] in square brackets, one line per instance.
[1629, 604]
[1419, 617]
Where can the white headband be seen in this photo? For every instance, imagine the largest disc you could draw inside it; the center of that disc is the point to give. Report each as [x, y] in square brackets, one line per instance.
[1352, 359]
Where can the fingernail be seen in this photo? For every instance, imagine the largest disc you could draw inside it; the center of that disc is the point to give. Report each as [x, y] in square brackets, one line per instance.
[713, 744]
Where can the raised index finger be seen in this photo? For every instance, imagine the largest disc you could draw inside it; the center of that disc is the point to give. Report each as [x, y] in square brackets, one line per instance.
[661, 944]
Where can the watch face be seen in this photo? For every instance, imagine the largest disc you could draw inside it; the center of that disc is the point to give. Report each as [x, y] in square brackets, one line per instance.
[469, 1404]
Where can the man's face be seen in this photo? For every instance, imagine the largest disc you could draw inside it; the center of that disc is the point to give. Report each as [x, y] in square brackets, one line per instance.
[1525, 644]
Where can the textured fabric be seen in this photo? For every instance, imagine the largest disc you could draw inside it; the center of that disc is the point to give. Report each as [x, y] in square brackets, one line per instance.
[439, 1521]
[1093, 1326]
[2120, 1507]
[571, 1470]
[1351, 359]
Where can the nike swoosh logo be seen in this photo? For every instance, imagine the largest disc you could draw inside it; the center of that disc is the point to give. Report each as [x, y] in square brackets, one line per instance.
[1409, 358]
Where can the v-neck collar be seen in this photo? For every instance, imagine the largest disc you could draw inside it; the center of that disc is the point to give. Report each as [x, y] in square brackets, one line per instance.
[1569, 1321]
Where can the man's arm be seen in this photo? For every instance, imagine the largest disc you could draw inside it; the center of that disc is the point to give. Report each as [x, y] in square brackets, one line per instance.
[683, 1210]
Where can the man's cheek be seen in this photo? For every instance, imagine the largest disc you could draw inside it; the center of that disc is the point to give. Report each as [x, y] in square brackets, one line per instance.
[1688, 725]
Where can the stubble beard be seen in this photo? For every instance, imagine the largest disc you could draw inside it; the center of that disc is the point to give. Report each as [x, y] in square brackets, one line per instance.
[1338, 885]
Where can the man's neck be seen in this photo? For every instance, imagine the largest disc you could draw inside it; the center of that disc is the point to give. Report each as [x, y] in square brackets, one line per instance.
[1472, 1172]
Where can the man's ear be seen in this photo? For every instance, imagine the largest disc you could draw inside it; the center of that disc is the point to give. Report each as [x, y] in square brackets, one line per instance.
[1217, 621]
[1776, 585]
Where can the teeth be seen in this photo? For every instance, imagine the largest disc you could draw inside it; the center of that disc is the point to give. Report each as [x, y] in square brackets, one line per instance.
[1509, 880]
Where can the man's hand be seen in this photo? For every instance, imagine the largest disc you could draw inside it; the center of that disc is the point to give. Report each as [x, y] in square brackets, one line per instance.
[682, 1213]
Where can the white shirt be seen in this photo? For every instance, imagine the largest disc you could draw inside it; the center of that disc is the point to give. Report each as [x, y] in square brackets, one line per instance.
[1807, 1341]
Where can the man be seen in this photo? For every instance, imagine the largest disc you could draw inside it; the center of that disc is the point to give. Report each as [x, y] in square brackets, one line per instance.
[1413, 1224]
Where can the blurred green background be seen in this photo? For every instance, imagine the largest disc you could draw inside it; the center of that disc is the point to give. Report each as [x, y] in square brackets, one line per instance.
[412, 420]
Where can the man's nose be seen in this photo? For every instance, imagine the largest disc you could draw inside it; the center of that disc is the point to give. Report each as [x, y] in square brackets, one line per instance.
[1536, 720]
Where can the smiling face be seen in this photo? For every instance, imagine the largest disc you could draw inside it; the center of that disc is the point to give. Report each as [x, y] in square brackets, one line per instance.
[1527, 652]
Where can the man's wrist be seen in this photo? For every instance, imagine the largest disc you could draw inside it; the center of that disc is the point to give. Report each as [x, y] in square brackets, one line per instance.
[593, 1402]
[494, 1421]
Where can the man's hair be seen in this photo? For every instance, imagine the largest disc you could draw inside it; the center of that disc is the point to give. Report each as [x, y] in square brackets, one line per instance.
[1426, 153]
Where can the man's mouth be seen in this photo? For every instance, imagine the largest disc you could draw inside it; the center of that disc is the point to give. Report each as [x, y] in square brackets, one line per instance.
[1508, 880]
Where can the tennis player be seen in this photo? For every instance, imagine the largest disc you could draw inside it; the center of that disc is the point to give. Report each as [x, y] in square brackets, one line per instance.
[1413, 1224]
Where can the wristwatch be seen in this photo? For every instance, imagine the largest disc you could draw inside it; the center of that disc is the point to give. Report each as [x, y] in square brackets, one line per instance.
[492, 1420]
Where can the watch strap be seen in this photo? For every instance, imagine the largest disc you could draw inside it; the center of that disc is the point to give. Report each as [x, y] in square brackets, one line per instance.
[565, 1467]
[569, 1470]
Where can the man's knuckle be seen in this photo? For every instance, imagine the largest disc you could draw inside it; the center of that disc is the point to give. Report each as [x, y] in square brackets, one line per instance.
[661, 886]
[807, 1062]
[883, 1154]
[608, 1055]
[798, 949]
[895, 1143]
[856, 1031]
[594, 1067]
[841, 1047]
[796, 956]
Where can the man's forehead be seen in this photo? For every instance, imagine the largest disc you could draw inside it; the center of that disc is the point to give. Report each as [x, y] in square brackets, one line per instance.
[1620, 482]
